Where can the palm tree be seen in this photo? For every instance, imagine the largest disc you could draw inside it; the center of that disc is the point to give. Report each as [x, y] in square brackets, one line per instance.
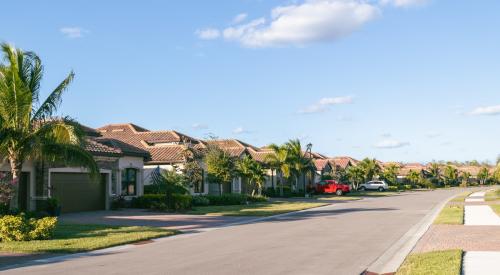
[391, 173]
[465, 177]
[435, 173]
[301, 165]
[28, 129]
[370, 167]
[252, 170]
[413, 177]
[450, 174]
[356, 175]
[280, 160]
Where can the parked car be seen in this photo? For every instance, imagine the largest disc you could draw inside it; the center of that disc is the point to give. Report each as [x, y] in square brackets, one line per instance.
[332, 187]
[378, 185]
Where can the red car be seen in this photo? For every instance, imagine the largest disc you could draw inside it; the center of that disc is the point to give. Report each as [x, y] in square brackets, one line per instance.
[332, 187]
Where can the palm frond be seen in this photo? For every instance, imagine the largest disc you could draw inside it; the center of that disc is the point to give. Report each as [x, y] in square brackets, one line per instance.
[50, 105]
[71, 155]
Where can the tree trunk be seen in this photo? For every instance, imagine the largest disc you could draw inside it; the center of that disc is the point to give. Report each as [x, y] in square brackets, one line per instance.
[304, 181]
[15, 169]
[220, 189]
[272, 179]
[281, 184]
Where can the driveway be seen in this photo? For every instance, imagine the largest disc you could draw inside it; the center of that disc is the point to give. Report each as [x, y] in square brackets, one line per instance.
[139, 217]
[336, 239]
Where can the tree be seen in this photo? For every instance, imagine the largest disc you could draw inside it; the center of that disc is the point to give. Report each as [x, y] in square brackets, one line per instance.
[435, 173]
[28, 128]
[370, 168]
[413, 177]
[172, 183]
[465, 176]
[252, 170]
[280, 160]
[192, 170]
[483, 175]
[301, 165]
[450, 174]
[220, 166]
[390, 174]
[356, 175]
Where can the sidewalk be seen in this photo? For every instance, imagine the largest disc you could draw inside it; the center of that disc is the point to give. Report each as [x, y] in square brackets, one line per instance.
[479, 237]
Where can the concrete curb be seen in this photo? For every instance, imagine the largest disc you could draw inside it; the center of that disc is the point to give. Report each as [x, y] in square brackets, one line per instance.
[392, 258]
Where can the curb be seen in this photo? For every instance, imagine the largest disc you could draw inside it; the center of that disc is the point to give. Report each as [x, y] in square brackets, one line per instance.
[393, 257]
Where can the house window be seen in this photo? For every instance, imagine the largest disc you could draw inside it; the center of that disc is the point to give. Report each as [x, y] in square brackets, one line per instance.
[129, 182]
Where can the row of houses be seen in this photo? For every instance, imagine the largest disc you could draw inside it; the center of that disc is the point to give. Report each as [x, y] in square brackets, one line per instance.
[128, 155]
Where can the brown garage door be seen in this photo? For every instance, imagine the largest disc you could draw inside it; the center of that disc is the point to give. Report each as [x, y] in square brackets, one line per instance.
[77, 192]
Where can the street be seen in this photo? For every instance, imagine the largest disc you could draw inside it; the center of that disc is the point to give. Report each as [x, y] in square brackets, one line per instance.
[343, 238]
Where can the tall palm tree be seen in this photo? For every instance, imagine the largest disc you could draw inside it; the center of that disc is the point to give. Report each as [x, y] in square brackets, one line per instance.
[280, 159]
[450, 174]
[465, 176]
[28, 128]
[300, 163]
[435, 173]
[252, 170]
[370, 167]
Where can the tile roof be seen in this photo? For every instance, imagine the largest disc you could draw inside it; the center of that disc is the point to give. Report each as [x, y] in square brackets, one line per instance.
[321, 164]
[343, 162]
[233, 147]
[163, 146]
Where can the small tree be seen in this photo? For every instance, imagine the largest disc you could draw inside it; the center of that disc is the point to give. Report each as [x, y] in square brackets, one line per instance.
[252, 170]
[465, 176]
[390, 174]
[220, 166]
[356, 175]
[450, 174]
[171, 183]
[370, 168]
[483, 175]
[435, 174]
[280, 159]
[192, 170]
[413, 177]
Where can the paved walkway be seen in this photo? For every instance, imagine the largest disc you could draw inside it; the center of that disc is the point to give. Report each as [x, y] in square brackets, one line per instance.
[479, 214]
[481, 263]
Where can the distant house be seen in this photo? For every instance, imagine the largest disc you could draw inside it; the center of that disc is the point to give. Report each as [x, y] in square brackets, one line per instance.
[342, 162]
[166, 148]
[406, 168]
[120, 168]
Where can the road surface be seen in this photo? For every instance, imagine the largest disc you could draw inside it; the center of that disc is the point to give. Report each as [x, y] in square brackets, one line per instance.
[344, 238]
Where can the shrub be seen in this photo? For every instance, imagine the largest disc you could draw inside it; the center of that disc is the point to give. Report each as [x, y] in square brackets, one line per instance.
[393, 188]
[42, 229]
[19, 228]
[118, 202]
[270, 192]
[227, 199]
[147, 201]
[200, 201]
[181, 202]
[257, 199]
[408, 187]
[14, 228]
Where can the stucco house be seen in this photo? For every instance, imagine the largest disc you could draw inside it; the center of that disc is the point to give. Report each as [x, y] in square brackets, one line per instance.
[166, 148]
[121, 167]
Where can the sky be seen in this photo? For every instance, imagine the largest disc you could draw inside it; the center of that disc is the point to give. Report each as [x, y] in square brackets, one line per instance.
[398, 80]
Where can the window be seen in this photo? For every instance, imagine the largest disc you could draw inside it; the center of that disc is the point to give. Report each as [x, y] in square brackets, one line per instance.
[129, 182]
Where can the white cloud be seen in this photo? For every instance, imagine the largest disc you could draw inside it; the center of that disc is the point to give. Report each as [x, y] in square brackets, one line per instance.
[200, 126]
[300, 24]
[486, 110]
[239, 18]
[208, 33]
[391, 144]
[240, 130]
[73, 32]
[403, 3]
[325, 103]
[433, 134]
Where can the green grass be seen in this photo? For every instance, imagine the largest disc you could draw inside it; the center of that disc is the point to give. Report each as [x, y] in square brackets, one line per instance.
[72, 238]
[451, 214]
[259, 209]
[496, 208]
[493, 195]
[462, 197]
[433, 263]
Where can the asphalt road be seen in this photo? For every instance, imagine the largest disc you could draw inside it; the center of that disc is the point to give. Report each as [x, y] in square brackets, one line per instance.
[343, 238]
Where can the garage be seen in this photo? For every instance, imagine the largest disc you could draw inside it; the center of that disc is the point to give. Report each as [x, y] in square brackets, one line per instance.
[77, 192]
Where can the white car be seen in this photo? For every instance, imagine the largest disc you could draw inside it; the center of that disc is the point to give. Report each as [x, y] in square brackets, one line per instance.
[378, 185]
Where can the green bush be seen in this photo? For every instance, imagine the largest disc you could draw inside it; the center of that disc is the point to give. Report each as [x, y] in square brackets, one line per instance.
[257, 199]
[407, 187]
[181, 202]
[200, 201]
[227, 199]
[393, 188]
[19, 228]
[147, 200]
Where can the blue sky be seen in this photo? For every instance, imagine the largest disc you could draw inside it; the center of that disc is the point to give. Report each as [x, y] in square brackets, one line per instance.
[399, 80]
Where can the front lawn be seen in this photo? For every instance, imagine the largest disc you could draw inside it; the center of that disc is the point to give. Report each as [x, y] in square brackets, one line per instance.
[258, 209]
[462, 197]
[71, 238]
[493, 195]
[438, 263]
[451, 214]
[496, 208]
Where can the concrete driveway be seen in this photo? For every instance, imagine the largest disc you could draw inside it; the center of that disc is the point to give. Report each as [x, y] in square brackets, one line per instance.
[139, 217]
[337, 239]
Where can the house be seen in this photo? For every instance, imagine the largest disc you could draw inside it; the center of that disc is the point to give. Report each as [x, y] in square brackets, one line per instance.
[121, 167]
[342, 162]
[166, 149]
[405, 169]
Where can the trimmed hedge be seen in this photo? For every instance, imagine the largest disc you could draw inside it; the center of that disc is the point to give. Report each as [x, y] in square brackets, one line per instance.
[159, 202]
